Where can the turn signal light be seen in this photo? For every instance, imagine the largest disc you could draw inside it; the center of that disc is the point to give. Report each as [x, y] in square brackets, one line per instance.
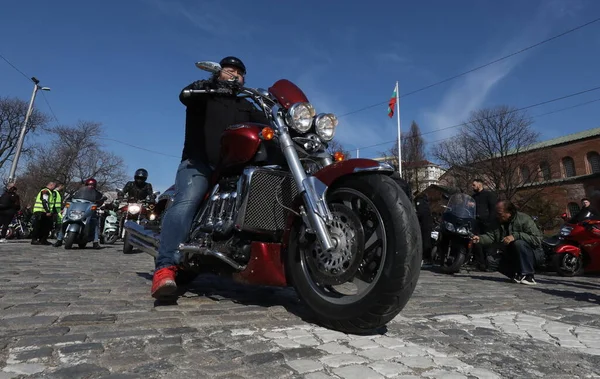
[67, 205]
[94, 207]
[338, 156]
[267, 134]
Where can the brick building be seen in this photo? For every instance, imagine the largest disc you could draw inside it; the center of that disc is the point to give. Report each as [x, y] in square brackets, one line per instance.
[561, 171]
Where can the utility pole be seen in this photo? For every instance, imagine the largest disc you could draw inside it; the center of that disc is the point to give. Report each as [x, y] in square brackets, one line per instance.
[13, 167]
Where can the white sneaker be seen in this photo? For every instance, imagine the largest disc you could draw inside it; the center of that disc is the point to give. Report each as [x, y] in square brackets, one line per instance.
[2, 240]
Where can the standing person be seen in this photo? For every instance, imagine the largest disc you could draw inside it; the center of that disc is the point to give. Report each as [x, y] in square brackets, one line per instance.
[521, 240]
[57, 207]
[426, 224]
[485, 202]
[42, 211]
[10, 203]
[207, 117]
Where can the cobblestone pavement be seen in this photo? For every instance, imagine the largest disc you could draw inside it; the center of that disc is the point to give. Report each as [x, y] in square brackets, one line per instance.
[88, 314]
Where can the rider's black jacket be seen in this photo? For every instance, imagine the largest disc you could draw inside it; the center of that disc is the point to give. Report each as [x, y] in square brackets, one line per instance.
[132, 191]
[207, 117]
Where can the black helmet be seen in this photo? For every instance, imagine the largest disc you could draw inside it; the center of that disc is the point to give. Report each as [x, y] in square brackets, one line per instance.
[234, 62]
[140, 175]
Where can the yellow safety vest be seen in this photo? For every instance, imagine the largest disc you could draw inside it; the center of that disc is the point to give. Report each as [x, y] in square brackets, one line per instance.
[39, 206]
[57, 201]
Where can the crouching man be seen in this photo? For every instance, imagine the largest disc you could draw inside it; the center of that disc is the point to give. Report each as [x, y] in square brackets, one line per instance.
[521, 243]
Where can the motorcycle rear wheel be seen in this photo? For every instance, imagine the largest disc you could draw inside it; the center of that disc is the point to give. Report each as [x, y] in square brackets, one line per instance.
[567, 265]
[390, 257]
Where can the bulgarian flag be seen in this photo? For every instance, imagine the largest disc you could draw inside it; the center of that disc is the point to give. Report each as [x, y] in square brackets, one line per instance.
[392, 102]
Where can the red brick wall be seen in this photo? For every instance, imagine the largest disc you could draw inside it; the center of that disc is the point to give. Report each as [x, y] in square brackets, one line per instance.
[578, 151]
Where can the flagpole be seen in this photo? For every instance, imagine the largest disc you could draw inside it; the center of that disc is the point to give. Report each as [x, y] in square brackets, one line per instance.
[399, 133]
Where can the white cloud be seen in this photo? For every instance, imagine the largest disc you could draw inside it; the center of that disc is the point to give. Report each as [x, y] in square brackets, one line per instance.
[470, 92]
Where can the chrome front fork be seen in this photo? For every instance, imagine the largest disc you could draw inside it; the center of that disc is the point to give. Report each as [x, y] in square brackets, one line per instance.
[312, 189]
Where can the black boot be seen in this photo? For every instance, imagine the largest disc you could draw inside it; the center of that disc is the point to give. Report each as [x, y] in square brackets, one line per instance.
[58, 243]
[96, 245]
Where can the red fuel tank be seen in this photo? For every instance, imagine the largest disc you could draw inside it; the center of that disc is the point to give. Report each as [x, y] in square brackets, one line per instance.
[239, 144]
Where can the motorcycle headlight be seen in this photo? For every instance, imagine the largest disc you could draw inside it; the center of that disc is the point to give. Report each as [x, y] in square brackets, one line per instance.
[300, 116]
[75, 215]
[325, 124]
[152, 217]
[133, 209]
[565, 231]
[462, 230]
[449, 226]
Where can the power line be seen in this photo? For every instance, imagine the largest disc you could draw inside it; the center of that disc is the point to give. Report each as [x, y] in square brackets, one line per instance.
[499, 114]
[15, 67]
[140, 148]
[476, 68]
[49, 107]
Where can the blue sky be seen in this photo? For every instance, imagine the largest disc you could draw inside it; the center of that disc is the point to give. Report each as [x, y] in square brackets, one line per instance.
[123, 63]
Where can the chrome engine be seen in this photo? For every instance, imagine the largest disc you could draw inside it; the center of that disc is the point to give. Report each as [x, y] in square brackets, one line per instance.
[257, 202]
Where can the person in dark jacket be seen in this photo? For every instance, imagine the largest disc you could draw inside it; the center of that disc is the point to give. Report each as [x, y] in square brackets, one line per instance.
[521, 240]
[138, 189]
[10, 203]
[485, 203]
[207, 117]
[426, 224]
[586, 212]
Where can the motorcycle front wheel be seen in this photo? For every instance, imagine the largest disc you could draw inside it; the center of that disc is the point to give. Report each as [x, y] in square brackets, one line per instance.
[458, 254]
[370, 276]
[70, 240]
[110, 238]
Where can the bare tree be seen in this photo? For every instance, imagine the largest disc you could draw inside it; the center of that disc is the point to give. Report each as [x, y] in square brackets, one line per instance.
[457, 155]
[334, 145]
[495, 144]
[12, 117]
[73, 156]
[413, 155]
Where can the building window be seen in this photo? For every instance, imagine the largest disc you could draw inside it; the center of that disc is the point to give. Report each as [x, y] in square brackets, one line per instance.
[569, 166]
[545, 169]
[525, 177]
[573, 209]
[594, 162]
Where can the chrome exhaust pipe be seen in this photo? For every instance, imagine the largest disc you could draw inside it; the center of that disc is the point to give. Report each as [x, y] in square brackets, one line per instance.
[143, 245]
[195, 249]
[141, 233]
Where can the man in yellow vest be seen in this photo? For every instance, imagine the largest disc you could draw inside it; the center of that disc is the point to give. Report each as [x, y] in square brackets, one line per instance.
[42, 211]
[57, 207]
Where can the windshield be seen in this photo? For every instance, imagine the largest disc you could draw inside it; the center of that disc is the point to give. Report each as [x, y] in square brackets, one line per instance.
[461, 205]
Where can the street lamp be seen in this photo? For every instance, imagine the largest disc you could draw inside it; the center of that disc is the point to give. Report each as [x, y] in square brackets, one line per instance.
[13, 167]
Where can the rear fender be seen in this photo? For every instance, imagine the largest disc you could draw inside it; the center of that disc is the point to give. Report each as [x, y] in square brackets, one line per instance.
[568, 249]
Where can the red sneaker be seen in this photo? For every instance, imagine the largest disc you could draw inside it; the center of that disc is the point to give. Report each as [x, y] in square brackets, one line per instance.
[163, 283]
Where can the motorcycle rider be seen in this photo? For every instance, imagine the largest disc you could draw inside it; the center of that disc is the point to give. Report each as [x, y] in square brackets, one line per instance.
[138, 189]
[585, 212]
[207, 116]
[90, 193]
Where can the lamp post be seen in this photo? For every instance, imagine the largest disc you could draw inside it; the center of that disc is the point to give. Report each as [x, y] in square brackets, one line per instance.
[13, 167]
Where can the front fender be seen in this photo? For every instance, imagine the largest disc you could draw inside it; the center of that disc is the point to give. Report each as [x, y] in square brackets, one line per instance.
[74, 227]
[329, 174]
[568, 249]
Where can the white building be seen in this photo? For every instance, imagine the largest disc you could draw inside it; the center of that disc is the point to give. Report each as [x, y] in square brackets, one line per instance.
[419, 174]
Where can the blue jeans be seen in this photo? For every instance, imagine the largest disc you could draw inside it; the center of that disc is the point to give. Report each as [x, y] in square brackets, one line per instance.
[191, 184]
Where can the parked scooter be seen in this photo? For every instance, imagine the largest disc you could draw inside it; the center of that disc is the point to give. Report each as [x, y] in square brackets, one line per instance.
[454, 239]
[110, 230]
[77, 223]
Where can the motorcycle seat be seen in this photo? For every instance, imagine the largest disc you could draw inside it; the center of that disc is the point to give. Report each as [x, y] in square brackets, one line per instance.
[551, 241]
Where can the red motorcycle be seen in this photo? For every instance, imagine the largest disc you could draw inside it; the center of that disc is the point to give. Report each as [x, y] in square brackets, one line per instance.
[284, 212]
[577, 249]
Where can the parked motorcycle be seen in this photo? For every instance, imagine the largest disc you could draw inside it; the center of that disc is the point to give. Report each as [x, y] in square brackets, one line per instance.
[137, 211]
[456, 229]
[77, 225]
[576, 250]
[345, 236]
[18, 228]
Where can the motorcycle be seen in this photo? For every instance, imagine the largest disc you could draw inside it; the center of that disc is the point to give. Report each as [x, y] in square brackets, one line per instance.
[576, 250]
[344, 235]
[18, 228]
[110, 229]
[77, 223]
[137, 211]
[456, 229]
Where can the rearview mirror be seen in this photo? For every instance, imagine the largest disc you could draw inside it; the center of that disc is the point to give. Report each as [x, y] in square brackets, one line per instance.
[156, 193]
[212, 67]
